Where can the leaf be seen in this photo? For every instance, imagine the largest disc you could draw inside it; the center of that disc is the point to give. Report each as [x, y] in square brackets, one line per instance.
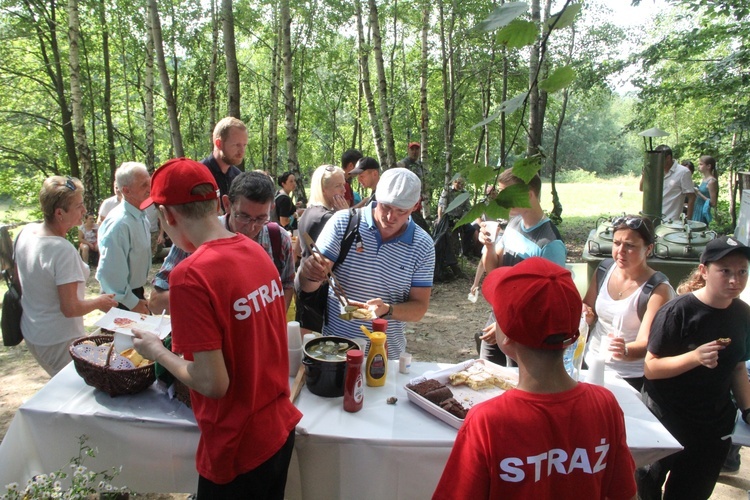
[503, 15]
[515, 196]
[479, 176]
[476, 212]
[517, 34]
[527, 168]
[559, 79]
[566, 17]
[513, 104]
[457, 202]
[489, 119]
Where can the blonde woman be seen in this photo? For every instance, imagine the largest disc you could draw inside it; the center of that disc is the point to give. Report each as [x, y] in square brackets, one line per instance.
[327, 189]
[53, 276]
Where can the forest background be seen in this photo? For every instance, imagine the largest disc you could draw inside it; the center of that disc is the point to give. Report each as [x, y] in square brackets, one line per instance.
[482, 85]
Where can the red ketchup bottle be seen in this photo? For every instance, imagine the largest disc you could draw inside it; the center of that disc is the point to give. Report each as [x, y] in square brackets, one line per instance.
[354, 386]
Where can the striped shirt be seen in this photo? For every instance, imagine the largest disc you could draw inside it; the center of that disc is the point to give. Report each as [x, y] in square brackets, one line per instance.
[382, 270]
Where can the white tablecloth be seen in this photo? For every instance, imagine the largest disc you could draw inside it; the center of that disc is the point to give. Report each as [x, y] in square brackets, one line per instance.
[382, 451]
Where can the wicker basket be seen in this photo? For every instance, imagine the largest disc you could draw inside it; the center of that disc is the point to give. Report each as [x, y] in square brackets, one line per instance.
[182, 393]
[113, 382]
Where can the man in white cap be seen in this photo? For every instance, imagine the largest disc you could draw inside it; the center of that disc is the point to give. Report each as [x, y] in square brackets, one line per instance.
[391, 269]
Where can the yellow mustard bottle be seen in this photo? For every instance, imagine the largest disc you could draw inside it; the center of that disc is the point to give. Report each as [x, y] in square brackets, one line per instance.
[377, 357]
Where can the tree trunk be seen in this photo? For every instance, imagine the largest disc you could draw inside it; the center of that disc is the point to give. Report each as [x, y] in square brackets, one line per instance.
[148, 98]
[174, 123]
[289, 102]
[213, 113]
[532, 148]
[76, 101]
[111, 157]
[449, 117]
[230, 53]
[390, 159]
[54, 71]
[273, 114]
[556, 204]
[364, 67]
[424, 119]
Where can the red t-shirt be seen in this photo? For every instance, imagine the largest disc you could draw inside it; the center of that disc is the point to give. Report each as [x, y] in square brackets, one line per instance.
[568, 445]
[349, 193]
[227, 295]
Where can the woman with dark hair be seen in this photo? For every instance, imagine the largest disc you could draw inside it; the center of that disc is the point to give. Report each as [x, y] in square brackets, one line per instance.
[618, 334]
[285, 209]
[707, 193]
[53, 276]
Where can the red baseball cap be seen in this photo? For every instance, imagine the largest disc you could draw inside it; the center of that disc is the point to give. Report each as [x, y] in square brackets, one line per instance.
[535, 303]
[173, 182]
[414, 145]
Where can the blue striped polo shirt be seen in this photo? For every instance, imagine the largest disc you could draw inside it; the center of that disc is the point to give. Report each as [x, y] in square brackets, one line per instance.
[382, 270]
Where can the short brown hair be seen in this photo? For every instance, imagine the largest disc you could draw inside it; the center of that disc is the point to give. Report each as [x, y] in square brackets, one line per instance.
[57, 192]
[221, 130]
[198, 209]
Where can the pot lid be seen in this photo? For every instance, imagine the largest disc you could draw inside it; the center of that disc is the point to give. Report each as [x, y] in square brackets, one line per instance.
[687, 239]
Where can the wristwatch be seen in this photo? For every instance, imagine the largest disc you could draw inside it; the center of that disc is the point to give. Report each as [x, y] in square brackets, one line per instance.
[389, 314]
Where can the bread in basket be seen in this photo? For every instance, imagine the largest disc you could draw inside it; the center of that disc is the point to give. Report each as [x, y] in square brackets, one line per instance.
[105, 374]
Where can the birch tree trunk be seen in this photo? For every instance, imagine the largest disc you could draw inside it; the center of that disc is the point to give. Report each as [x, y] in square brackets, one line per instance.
[148, 98]
[76, 101]
[230, 53]
[174, 122]
[112, 159]
[424, 117]
[556, 204]
[364, 66]
[449, 75]
[390, 159]
[273, 115]
[212, 111]
[289, 102]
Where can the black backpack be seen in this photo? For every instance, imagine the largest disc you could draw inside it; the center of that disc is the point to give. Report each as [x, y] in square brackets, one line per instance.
[655, 280]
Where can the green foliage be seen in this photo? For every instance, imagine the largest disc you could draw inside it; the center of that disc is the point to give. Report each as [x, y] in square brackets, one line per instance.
[577, 175]
[503, 15]
[81, 483]
[564, 18]
[519, 33]
[559, 79]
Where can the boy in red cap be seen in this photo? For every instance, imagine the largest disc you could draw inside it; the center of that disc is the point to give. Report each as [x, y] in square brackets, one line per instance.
[552, 437]
[231, 329]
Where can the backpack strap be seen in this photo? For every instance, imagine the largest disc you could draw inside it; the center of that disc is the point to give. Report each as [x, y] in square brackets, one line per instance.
[655, 280]
[274, 234]
[350, 236]
[601, 272]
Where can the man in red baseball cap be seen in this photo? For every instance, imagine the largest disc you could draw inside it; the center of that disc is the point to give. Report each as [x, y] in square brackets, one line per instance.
[227, 324]
[552, 437]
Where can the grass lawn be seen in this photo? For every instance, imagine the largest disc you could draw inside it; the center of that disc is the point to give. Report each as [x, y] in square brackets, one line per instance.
[585, 202]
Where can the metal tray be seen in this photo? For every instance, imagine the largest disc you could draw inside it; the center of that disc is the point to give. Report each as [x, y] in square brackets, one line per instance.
[464, 394]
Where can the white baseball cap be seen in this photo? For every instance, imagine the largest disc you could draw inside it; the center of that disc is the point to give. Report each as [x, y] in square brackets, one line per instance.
[399, 187]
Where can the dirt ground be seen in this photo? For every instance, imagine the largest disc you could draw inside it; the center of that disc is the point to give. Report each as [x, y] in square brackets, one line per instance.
[445, 334]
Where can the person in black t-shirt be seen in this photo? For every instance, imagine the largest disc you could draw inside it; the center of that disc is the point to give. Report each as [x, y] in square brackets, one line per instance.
[285, 209]
[697, 349]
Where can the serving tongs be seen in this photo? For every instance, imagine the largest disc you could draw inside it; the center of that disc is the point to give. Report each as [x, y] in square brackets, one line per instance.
[332, 281]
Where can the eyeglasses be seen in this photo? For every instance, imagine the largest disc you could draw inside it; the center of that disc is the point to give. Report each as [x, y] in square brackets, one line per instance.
[631, 222]
[246, 219]
[330, 168]
[69, 184]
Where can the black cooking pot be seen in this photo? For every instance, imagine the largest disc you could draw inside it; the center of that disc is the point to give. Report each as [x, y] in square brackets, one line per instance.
[325, 377]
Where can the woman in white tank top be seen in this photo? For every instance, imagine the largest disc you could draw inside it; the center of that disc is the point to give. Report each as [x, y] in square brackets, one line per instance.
[618, 335]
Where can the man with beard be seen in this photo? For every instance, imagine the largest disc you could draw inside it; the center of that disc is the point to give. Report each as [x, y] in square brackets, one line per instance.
[230, 142]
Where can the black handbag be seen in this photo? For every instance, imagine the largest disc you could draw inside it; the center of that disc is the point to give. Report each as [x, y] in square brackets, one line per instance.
[312, 306]
[12, 310]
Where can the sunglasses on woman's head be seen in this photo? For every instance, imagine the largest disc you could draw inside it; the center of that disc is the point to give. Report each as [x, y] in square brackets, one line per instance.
[69, 184]
[631, 222]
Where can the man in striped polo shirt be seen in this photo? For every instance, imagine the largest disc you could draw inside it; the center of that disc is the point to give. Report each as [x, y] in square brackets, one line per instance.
[391, 272]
